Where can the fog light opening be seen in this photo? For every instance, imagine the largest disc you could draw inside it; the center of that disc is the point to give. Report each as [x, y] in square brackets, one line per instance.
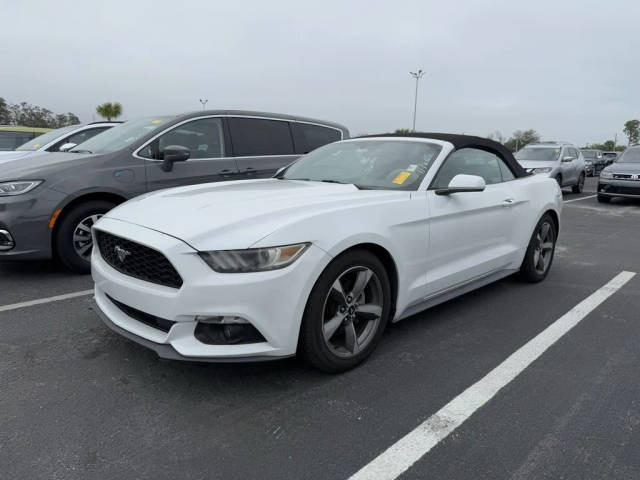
[6, 241]
[226, 331]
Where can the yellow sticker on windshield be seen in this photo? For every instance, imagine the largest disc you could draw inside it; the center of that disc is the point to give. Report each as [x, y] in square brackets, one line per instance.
[155, 122]
[401, 178]
[36, 145]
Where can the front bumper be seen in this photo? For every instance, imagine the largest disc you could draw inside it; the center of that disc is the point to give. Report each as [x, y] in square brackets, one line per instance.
[619, 188]
[273, 302]
[26, 220]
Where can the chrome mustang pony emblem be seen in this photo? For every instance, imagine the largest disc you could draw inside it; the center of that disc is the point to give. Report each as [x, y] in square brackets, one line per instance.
[121, 253]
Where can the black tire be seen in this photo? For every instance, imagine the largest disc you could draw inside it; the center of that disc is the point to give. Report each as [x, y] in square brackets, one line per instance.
[312, 345]
[528, 270]
[63, 244]
[604, 198]
[577, 188]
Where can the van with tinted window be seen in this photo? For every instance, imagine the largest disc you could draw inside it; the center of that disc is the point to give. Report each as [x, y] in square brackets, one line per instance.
[48, 205]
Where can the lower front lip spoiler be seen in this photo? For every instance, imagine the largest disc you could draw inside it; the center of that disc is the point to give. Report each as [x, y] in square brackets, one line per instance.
[166, 351]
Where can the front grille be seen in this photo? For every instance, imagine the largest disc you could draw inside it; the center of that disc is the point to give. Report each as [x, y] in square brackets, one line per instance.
[146, 318]
[622, 176]
[136, 260]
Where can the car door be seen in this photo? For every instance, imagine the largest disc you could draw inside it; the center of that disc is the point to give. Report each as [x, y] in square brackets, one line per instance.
[471, 233]
[569, 162]
[209, 160]
[260, 146]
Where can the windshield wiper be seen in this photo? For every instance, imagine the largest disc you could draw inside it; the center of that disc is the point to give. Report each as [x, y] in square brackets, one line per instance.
[342, 183]
[80, 151]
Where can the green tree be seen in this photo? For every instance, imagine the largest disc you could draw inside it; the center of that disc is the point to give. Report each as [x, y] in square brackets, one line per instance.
[5, 113]
[609, 145]
[65, 119]
[632, 131]
[521, 138]
[402, 131]
[497, 136]
[109, 110]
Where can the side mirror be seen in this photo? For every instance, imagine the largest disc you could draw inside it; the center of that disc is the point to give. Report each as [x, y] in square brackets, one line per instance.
[568, 158]
[67, 146]
[463, 183]
[172, 154]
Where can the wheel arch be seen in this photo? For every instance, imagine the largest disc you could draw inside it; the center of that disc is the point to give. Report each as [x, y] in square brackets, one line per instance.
[556, 219]
[389, 264]
[65, 208]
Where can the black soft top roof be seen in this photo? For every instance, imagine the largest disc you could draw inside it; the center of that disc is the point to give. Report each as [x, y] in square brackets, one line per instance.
[466, 141]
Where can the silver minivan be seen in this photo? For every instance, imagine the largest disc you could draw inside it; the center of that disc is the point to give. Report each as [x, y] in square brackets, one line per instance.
[48, 203]
[559, 160]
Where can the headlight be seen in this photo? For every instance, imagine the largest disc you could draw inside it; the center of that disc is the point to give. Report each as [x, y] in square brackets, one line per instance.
[604, 174]
[542, 170]
[253, 259]
[8, 189]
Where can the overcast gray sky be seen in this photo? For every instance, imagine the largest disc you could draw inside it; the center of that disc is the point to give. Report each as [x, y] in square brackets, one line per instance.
[569, 69]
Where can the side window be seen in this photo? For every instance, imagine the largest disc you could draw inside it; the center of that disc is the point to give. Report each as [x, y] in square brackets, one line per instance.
[469, 161]
[203, 137]
[309, 137]
[254, 136]
[12, 140]
[505, 171]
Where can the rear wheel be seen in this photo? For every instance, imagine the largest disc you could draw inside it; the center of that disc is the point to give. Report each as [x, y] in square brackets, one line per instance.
[539, 256]
[73, 241]
[578, 187]
[346, 313]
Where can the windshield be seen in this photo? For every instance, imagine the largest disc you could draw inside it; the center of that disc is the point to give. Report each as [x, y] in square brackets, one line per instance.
[630, 155]
[538, 153]
[42, 140]
[589, 153]
[368, 164]
[121, 136]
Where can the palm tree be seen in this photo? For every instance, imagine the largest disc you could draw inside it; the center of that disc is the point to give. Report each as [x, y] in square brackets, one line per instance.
[109, 110]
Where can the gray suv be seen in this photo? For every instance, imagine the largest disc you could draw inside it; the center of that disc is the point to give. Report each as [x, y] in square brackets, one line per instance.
[48, 205]
[559, 160]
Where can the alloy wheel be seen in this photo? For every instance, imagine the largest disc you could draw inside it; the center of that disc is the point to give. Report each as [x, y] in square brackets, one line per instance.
[352, 311]
[543, 251]
[82, 239]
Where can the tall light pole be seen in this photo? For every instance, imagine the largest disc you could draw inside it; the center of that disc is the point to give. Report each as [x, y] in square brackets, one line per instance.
[203, 101]
[417, 75]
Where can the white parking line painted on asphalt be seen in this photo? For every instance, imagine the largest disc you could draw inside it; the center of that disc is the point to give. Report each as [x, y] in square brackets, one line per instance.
[409, 449]
[578, 199]
[40, 301]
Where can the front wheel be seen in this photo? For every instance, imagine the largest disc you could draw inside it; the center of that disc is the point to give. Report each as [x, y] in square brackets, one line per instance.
[578, 187]
[539, 256]
[346, 313]
[73, 241]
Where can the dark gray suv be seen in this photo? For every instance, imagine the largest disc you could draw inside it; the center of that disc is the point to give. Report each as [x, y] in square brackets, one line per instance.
[48, 205]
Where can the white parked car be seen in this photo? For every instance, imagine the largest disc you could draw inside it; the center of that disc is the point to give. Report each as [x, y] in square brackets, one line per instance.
[318, 259]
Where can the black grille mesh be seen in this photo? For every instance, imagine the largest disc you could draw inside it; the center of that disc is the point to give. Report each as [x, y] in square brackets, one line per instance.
[141, 262]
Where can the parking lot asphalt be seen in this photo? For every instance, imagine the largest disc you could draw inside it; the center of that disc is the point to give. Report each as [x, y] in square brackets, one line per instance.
[78, 401]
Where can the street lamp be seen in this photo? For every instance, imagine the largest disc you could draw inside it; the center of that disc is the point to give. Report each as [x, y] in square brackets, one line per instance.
[203, 102]
[417, 75]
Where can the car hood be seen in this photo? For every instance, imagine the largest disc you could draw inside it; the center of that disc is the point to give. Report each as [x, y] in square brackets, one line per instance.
[233, 215]
[36, 165]
[537, 163]
[624, 168]
[13, 154]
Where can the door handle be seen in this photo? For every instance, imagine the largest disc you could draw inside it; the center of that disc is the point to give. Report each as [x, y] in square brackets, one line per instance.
[508, 202]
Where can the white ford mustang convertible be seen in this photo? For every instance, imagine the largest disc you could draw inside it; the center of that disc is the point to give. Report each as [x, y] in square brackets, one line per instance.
[317, 260]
